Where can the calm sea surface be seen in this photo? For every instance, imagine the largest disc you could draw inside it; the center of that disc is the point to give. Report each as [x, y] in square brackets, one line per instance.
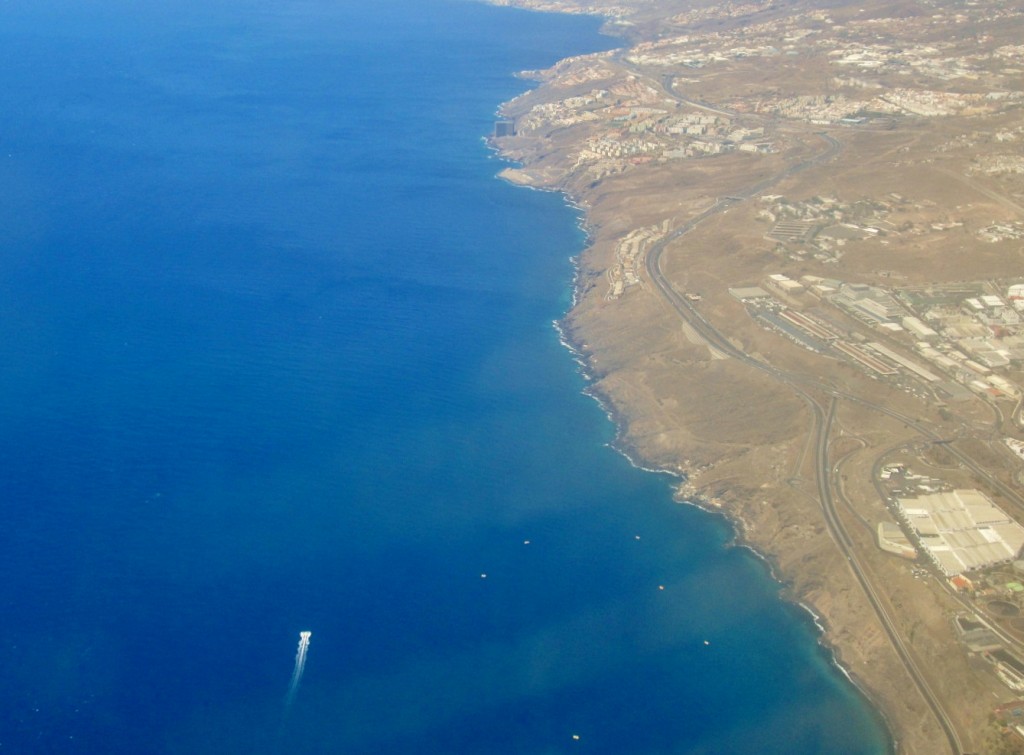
[276, 355]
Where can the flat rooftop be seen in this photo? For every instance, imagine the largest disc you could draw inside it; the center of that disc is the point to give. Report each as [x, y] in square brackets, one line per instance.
[962, 530]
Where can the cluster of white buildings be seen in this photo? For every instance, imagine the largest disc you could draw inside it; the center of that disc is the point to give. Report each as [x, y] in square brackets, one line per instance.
[965, 348]
[998, 165]
[931, 104]
[628, 255]
[962, 530]
[1003, 231]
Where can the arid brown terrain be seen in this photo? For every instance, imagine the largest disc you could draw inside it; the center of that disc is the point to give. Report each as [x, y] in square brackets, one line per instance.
[801, 294]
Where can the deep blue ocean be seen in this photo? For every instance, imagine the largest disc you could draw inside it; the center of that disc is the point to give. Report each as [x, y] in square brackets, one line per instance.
[276, 354]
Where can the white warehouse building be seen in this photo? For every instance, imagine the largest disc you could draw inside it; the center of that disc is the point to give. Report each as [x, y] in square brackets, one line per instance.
[962, 530]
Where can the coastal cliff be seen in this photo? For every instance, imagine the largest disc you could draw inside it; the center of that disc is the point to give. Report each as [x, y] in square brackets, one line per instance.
[685, 150]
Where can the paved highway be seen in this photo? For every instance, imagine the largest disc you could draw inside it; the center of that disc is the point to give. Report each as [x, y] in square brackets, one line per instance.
[822, 421]
[823, 424]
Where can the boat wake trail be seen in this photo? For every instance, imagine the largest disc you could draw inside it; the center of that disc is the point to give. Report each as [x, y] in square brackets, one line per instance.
[300, 666]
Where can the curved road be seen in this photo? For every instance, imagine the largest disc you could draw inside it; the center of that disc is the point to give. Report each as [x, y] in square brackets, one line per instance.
[823, 425]
[822, 421]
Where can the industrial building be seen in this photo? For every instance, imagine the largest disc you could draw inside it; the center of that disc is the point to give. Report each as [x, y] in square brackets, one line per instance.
[976, 636]
[869, 303]
[961, 530]
[892, 540]
[1009, 668]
